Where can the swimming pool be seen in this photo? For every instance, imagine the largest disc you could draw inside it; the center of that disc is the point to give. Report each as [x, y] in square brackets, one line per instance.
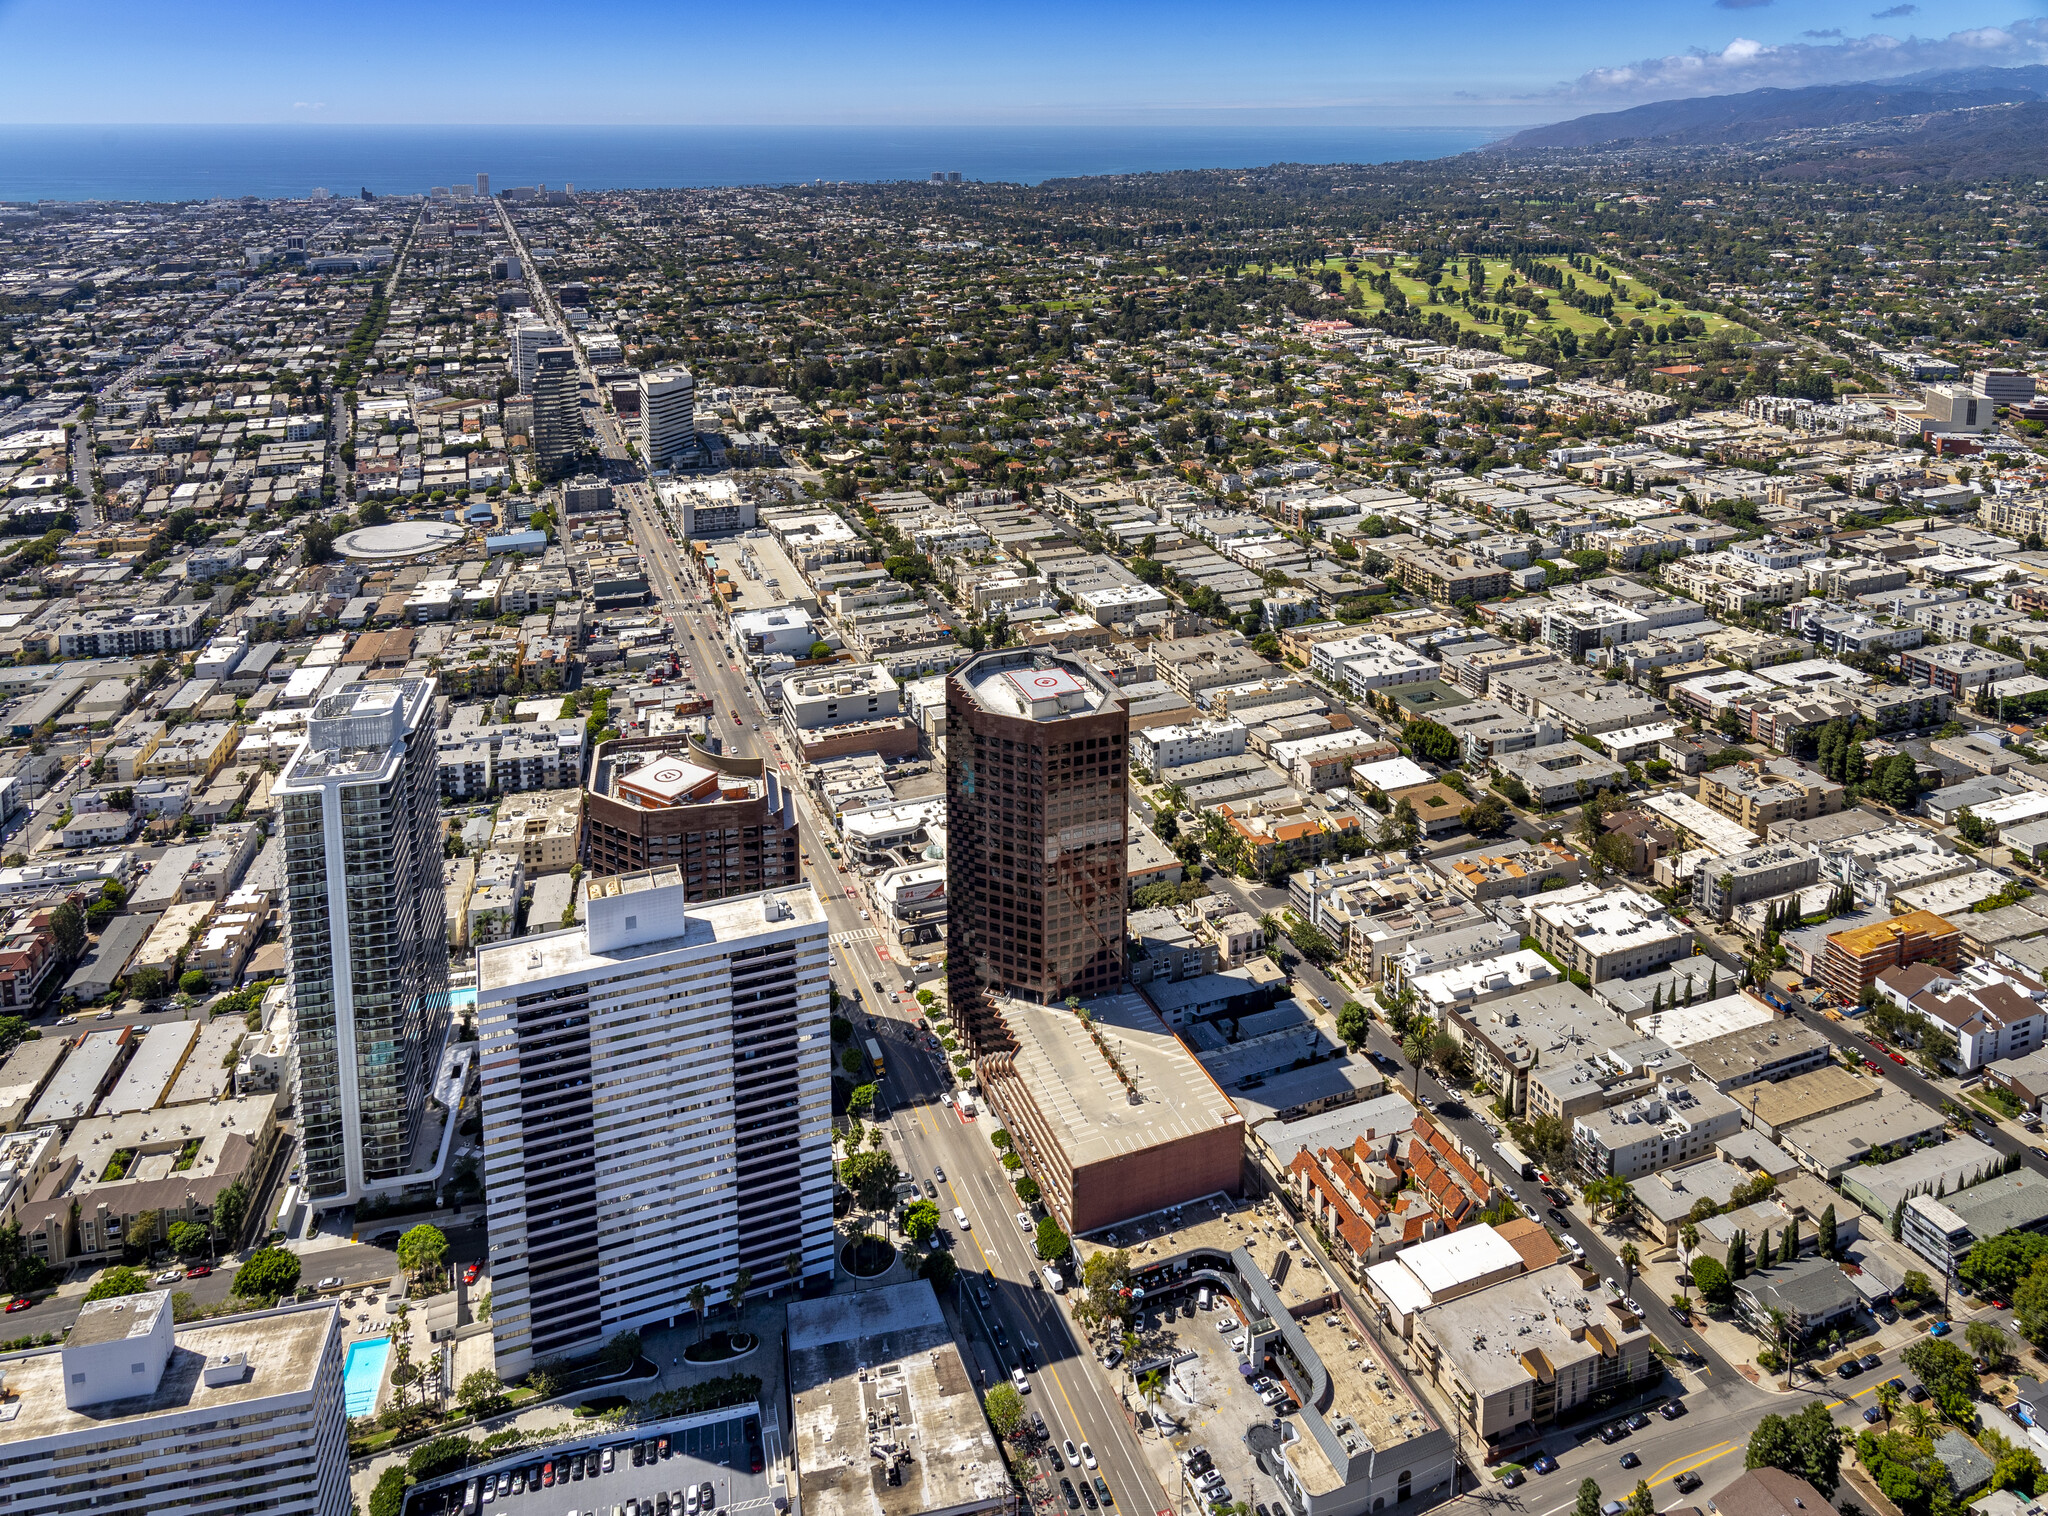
[362, 1372]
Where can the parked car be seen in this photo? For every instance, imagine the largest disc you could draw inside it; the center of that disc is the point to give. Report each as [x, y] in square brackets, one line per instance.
[1869, 1361]
[1544, 1464]
[1671, 1410]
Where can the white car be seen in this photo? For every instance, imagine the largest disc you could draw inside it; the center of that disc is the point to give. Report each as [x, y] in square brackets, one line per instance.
[1073, 1453]
[1238, 1342]
[960, 1220]
[1017, 1378]
[1226, 1324]
[1088, 1455]
[169, 1276]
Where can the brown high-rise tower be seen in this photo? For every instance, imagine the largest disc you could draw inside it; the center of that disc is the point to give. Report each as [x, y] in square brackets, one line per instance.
[1036, 755]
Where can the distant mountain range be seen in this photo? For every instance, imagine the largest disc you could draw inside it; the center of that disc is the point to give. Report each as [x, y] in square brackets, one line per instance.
[1944, 124]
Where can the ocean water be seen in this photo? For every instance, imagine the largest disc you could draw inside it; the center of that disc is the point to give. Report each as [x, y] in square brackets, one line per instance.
[279, 162]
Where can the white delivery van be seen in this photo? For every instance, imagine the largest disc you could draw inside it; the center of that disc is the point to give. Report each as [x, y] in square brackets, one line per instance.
[1054, 1281]
[1203, 1299]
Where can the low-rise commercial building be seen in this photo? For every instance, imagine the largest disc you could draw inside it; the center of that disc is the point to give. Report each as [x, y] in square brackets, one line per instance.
[886, 1420]
[1112, 1116]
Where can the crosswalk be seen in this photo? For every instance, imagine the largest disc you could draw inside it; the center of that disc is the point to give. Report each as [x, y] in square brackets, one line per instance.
[859, 934]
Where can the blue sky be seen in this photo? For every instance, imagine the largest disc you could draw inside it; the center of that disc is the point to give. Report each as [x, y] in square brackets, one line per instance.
[1482, 62]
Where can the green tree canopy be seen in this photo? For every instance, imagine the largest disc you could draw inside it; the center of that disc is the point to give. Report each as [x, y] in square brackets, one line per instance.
[1005, 1409]
[939, 1268]
[481, 1392]
[270, 1274]
[1996, 1265]
[1430, 742]
[1711, 1279]
[421, 1249]
[1352, 1021]
[921, 1222]
[1948, 1374]
[872, 1177]
[1052, 1241]
[1808, 1444]
[116, 1282]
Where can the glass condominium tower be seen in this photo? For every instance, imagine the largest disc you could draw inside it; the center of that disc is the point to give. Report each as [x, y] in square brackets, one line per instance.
[366, 935]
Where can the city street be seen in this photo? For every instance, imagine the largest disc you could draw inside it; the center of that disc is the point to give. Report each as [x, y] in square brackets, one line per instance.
[1070, 1390]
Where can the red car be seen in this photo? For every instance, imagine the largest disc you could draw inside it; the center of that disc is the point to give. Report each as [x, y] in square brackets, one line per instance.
[19, 1303]
[1895, 1058]
[199, 1271]
[469, 1274]
[547, 1476]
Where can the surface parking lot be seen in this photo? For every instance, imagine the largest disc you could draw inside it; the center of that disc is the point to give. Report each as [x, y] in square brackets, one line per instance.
[1224, 1403]
[710, 1466]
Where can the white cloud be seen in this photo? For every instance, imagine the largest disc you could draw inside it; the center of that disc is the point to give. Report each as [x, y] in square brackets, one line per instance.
[1745, 64]
[309, 105]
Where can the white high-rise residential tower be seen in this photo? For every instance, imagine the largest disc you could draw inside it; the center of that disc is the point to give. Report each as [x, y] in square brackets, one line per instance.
[668, 414]
[657, 1099]
[528, 338]
[483, 185]
[360, 805]
[218, 1417]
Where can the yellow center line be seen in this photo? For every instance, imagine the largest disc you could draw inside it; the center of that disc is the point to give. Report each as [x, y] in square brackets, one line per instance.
[1704, 1454]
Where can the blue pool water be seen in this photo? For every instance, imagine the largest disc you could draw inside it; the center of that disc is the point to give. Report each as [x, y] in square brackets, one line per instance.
[361, 1373]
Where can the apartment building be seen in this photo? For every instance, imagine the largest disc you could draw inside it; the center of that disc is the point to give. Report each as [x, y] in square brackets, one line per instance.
[657, 1109]
[1523, 1353]
[1957, 668]
[1856, 957]
[1607, 933]
[364, 933]
[219, 1417]
[1679, 1123]
[1760, 794]
[1719, 885]
[1992, 1012]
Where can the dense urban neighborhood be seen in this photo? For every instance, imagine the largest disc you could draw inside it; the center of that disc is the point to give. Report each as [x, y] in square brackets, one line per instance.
[1283, 841]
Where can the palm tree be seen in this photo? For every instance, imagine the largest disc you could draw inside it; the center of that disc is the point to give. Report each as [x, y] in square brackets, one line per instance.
[1688, 1239]
[736, 1292]
[793, 1265]
[697, 1295]
[1630, 1258]
[1888, 1402]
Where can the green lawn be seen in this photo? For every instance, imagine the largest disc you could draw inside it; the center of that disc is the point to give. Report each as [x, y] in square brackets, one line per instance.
[1562, 316]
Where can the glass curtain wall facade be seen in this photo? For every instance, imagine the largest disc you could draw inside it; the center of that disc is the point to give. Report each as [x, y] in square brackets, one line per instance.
[366, 934]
